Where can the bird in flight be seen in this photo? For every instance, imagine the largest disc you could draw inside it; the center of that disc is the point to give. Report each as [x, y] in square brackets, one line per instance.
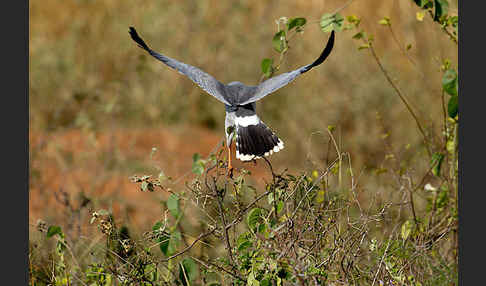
[253, 138]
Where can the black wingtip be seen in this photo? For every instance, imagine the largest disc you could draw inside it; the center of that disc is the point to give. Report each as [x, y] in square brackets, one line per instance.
[133, 33]
[326, 52]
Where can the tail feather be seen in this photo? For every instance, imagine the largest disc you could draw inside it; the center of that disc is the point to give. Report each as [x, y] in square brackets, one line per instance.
[256, 141]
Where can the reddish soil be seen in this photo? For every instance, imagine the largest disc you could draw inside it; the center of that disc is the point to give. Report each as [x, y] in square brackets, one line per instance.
[99, 164]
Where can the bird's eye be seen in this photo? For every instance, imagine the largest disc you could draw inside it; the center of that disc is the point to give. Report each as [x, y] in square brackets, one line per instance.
[230, 130]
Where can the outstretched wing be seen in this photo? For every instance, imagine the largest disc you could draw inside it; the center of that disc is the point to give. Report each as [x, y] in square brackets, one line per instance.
[201, 78]
[274, 83]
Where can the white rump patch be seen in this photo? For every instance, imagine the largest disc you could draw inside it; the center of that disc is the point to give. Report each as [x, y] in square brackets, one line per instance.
[245, 157]
[247, 120]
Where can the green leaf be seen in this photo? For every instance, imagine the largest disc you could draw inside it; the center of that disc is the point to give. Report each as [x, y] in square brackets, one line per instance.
[243, 238]
[326, 22]
[244, 245]
[442, 199]
[151, 273]
[320, 196]
[330, 22]
[198, 168]
[53, 230]
[251, 280]
[164, 244]
[385, 21]
[441, 8]
[280, 205]
[359, 35]
[421, 3]
[451, 146]
[436, 163]
[428, 4]
[266, 281]
[197, 164]
[270, 198]
[267, 68]
[262, 228]
[453, 106]
[173, 205]
[169, 244]
[364, 46]
[353, 20]
[453, 21]
[450, 82]
[157, 226]
[279, 41]
[188, 271]
[407, 228]
[254, 217]
[296, 22]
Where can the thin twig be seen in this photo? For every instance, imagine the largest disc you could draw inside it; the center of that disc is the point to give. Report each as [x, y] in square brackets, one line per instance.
[381, 261]
[240, 214]
[399, 93]
[342, 7]
[226, 236]
[407, 55]
[206, 234]
[204, 263]
[201, 236]
[273, 189]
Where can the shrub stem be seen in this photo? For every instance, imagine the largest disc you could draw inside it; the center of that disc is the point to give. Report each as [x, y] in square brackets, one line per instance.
[399, 93]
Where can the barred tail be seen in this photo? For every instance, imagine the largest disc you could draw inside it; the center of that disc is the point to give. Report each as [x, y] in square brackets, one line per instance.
[256, 140]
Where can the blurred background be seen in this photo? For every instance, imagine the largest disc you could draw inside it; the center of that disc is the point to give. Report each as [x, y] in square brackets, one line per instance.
[102, 110]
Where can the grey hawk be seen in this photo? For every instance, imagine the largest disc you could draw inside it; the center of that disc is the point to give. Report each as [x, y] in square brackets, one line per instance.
[253, 138]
